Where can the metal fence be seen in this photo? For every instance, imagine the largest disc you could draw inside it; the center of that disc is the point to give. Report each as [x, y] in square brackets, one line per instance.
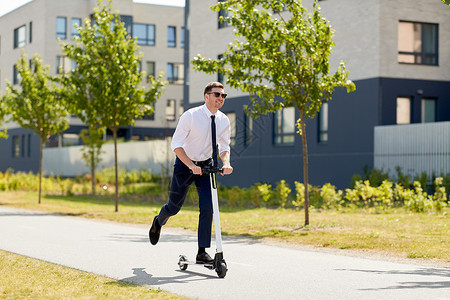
[414, 148]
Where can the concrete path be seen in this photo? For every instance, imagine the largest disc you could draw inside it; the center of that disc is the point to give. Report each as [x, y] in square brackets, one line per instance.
[256, 270]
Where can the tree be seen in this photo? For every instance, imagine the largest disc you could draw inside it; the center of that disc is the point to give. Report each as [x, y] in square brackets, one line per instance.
[4, 111]
[105, 89]
[38, 105]
[93, 141]
[281, 58]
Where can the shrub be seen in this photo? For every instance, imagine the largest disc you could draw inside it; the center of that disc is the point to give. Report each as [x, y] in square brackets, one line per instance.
[299, 201]
[330, 197]
[282, 191]
[419, 200]
[265, 190]
[440, 195]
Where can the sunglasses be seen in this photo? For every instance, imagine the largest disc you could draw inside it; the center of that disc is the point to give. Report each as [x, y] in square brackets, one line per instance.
[217, 94]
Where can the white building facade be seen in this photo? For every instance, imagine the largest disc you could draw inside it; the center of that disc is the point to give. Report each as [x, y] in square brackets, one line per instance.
[37, 27]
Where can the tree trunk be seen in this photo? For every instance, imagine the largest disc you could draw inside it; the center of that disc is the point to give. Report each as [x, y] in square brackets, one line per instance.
[116, 169]
[305, 166]
[40, 170]
[93, 175]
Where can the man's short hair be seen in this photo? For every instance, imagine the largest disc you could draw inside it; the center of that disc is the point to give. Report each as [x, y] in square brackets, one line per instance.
[211, 85]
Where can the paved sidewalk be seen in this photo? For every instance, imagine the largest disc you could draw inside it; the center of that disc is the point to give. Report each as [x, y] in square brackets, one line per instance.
[256, 270]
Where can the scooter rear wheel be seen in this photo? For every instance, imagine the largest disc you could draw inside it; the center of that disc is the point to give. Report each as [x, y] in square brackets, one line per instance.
[181, 265]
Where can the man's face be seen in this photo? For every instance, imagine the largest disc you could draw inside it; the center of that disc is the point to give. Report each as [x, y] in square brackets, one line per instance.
[213, 102]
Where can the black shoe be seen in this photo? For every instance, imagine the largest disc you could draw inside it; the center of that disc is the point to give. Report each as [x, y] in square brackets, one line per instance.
[154, 231]
[204, 258]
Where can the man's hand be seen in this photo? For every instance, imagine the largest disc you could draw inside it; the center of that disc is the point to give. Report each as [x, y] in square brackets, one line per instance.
[196, 170]
[227, 170]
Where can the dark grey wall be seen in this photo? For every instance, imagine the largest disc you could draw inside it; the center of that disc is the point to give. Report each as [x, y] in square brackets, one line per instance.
[352, 118]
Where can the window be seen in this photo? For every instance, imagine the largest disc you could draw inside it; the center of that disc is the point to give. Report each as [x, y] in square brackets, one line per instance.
[170, 110]
[75, 23]
[417, 43]
[222, 14]
[323, 123]
[23, 146]
[62, 64]
[220, 74]
[16, 75]
[403, 110]
[70, 139]
[150, 68]
[15, 146]
[20, 38]
[248, 130]
[232, 117]
[31, 32]
[61, 28]
[183, 32]
[145, 34]
[428, 110]
[284, 126]
[29, 145]
[171, 36]
[175, 73]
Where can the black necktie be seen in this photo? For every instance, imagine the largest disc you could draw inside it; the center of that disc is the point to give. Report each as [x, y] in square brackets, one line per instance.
[214, 143]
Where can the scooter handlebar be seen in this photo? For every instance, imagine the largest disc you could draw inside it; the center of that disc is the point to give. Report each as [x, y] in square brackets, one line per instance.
[211, 170]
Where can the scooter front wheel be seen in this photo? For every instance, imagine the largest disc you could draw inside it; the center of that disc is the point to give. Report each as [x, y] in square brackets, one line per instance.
[221, 270]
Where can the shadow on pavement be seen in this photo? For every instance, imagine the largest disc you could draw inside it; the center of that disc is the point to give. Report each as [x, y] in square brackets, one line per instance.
[141, 277]
[437, 272]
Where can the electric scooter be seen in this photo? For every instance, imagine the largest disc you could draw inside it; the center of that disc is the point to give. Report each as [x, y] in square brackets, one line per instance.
[219, 263]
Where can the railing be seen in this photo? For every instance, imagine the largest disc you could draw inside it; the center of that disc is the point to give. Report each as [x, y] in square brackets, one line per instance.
[414, 148]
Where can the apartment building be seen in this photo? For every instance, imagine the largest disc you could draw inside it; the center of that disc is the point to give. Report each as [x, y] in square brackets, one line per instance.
[37, 26]
[396, 52]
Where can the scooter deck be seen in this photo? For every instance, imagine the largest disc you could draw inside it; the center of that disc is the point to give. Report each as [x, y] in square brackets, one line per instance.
[182, 263]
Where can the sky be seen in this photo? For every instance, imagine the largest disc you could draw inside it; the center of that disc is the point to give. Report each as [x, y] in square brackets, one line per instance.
[9, 5]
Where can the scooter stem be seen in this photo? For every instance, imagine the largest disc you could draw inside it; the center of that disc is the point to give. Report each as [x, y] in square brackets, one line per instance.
[215, 203]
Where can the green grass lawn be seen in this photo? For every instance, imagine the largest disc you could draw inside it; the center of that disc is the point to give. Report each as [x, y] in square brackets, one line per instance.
[26, 278]
[396, 232]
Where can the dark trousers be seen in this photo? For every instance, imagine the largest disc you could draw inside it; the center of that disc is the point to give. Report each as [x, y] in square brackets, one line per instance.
[181, 181]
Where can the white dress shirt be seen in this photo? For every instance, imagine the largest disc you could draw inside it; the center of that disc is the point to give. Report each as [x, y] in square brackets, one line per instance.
[193, 133]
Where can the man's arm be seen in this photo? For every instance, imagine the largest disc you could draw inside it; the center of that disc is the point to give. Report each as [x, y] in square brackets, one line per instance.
[181, 154]
[227, 168]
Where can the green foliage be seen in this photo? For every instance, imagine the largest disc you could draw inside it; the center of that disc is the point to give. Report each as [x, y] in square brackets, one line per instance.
[403, 179]
[265, 191]
[282, 192]
[37, 105]
[440, 194]
[141, 185]
[4, 111]
[92, 139]
[419, 200]
[332, 199]
[299, 201]
[446, 2]
[285, 55]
